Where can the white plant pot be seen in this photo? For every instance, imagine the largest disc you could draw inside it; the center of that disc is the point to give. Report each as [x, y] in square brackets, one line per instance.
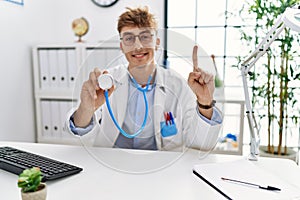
[37, 195]
[291, 154]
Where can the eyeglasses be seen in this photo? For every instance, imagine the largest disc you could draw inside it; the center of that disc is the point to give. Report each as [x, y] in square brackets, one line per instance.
[145, 38]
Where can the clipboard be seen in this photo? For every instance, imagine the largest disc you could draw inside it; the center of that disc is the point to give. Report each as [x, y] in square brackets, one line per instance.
[248, 171]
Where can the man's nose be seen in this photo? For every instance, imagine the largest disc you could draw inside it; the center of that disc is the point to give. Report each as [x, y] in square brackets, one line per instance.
[137, 43]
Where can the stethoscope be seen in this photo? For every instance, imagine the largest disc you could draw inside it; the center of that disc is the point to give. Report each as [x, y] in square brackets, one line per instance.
[106, 81]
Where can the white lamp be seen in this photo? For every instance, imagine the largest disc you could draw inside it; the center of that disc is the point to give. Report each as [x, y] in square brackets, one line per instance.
[291, 19]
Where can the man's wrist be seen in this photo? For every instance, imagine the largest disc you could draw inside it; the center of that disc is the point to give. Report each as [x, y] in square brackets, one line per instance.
[81, 118]
[208, 106]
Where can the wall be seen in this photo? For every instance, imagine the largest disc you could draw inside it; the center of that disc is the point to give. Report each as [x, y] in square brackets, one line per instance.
[44, 22]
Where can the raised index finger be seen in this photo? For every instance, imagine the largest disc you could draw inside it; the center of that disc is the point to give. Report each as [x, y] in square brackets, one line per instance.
[195, 58]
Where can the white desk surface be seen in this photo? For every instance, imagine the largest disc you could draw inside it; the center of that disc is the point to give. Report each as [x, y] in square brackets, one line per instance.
[118, 174]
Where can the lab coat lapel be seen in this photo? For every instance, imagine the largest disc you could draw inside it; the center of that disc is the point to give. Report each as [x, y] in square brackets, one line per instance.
[121, 96]
[159, 104]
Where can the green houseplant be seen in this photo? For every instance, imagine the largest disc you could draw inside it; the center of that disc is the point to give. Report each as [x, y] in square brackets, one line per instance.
[219, 87]
[273, 77]
[30, 183]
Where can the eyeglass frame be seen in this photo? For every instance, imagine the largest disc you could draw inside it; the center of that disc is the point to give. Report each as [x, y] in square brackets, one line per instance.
[135, 36]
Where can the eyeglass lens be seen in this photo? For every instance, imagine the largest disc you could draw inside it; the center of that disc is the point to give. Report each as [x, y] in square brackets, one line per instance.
[145, 38]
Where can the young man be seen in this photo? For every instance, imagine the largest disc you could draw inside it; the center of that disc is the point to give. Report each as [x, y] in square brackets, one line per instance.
[171, 101]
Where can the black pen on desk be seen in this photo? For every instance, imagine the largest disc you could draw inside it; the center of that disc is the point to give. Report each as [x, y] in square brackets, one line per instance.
[271, 188]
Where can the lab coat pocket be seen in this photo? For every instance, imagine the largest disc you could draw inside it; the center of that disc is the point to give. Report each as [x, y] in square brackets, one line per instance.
[171, 139]
[168, 129]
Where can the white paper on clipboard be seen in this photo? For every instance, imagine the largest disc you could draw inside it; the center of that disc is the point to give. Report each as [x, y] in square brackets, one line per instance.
[247, 171]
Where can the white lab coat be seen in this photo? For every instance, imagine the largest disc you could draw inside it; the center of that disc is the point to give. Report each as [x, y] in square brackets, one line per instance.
[172, 94]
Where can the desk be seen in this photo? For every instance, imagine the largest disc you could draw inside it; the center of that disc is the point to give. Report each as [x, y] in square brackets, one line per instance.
[172, 180]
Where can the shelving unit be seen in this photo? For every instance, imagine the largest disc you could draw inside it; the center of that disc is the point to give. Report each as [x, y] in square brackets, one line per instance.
[233, 124]
[59, 71]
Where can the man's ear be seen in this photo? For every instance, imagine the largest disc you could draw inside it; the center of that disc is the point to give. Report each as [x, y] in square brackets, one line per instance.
[157, 43]
[121, 47]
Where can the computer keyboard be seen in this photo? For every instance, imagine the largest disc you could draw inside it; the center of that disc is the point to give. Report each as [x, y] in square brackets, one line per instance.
[15, 161]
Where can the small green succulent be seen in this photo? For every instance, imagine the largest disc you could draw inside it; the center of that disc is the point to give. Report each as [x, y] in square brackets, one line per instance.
[30, 179]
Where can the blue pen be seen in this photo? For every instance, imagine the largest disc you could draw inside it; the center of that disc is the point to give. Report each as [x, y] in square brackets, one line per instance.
[171, 117]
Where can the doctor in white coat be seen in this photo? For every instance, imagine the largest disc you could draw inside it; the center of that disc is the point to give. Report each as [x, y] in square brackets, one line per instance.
[197, 122]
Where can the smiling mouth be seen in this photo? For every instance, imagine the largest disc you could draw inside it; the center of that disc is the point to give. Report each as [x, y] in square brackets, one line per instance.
[140, 55]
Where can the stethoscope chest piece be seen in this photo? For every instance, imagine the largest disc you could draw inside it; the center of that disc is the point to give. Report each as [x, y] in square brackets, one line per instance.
[105, 81]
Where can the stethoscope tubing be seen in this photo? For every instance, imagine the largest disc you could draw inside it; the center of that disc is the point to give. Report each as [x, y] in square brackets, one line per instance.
[143, 90]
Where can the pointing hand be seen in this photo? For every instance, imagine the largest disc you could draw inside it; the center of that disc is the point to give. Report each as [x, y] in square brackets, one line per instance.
[201, 82]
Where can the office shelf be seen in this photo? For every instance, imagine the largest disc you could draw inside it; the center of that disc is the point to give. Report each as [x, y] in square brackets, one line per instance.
[233, 123]
[59, 71]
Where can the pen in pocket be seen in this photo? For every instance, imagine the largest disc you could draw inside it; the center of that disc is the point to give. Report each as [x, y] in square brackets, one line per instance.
[168, 118]
[171, 117]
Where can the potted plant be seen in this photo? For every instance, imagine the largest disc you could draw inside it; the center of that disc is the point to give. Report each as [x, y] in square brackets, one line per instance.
[273, 76]
[30, 183]
[219, 87]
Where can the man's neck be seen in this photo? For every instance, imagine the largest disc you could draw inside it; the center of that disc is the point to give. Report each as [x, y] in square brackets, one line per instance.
[141, 74]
